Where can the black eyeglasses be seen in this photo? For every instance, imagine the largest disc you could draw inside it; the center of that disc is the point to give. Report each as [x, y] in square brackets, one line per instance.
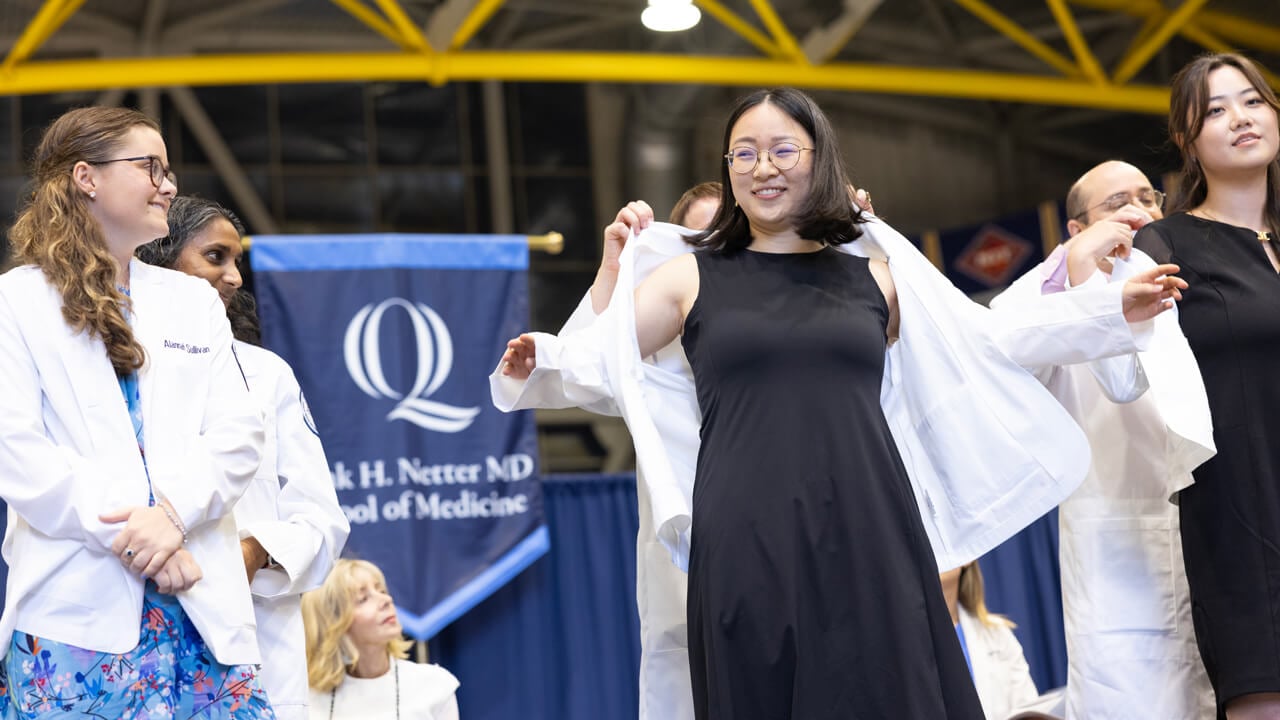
[784, 156]
[155, 168]
[1148, 199]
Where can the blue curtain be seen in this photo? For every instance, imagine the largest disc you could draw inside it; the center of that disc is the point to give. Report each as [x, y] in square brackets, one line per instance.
[1022, 582]
[562, 640]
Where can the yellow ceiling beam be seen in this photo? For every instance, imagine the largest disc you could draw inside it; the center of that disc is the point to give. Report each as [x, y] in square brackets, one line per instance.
[1243, 32]
[1133, 61]
[1210, 42]
[739, 26]
[65, 75]
[475, 20]
[783, 37]
[411, 33]
[51, 15]
[1014, 32]
[1075, 40]
[372, 20]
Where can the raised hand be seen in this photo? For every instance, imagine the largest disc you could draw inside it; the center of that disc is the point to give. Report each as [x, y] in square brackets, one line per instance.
[636, 216]
[1150, 293]
[520, 358]
[1092, 248]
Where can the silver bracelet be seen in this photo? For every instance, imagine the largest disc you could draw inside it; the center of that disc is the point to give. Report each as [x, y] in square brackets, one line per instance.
[174, 519]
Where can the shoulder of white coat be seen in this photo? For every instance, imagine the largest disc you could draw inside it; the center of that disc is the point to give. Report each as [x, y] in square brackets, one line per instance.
[262, 359]
[665, 239]
[432, 681]
[24, 278]
[189, 286]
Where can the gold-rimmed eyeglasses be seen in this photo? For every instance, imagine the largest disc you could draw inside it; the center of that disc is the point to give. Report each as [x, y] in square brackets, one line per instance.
[1147, 199]
[783, 156]
[155, 168]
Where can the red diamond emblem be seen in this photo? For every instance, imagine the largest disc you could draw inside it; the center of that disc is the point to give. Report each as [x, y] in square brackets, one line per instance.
[993, 255]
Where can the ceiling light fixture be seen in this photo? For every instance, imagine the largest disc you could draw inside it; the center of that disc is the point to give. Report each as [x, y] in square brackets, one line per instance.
[670, 15]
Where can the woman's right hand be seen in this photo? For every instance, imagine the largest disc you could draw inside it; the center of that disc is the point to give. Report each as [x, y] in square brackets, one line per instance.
[148, 540]
[636, 216]
[520, 358]
[179, 573]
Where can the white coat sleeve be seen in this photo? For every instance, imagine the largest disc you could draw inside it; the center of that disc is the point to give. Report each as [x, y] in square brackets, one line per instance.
[569, 372]
[219, 461]
[546, 386]
[56, 490]
[1066, 328]
[1120, 377]
[1038, 329]
[309, 529]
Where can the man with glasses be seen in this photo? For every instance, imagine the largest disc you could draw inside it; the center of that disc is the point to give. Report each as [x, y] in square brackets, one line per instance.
[1130, 645]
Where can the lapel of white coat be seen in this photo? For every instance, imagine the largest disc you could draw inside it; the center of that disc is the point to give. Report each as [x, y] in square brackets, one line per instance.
[150, 303]
[94, 386]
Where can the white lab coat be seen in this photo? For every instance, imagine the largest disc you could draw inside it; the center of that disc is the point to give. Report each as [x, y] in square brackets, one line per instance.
[292, 509]
[68, 453]
[1130, 642]
[1000, 671]
[1091, 323]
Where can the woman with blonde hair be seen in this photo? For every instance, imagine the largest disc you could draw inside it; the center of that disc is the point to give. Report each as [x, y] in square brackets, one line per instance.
[126, 436]
[994, 656]
[356, 653]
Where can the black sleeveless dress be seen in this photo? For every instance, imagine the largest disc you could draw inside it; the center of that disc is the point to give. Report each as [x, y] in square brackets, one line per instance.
[813, 591]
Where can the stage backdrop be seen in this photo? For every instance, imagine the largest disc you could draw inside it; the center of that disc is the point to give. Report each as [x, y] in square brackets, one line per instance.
[393, 337]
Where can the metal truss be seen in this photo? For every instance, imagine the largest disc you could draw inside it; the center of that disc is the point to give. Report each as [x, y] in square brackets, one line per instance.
[438, 53]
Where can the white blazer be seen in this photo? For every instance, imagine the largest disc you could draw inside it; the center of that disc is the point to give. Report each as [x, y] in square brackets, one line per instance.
[1092, 322]
[1131, 645]
[291, 508]
[68, 452]
[1000, 671]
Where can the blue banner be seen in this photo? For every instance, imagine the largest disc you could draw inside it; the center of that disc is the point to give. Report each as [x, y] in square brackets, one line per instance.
[393, 338]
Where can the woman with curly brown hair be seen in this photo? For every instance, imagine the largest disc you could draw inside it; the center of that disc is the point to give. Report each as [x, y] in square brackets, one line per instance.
[126, 436]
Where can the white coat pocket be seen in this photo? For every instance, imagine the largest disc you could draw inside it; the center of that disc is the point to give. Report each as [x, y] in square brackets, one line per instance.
[1130, 573]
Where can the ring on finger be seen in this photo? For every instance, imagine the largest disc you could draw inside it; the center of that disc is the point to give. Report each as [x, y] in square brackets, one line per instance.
[128, 552]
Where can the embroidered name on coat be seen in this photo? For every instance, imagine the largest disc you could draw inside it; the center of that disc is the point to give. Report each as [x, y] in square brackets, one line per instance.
[192, 349]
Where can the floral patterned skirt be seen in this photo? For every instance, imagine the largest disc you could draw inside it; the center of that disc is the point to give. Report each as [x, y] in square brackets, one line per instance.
[170, 674]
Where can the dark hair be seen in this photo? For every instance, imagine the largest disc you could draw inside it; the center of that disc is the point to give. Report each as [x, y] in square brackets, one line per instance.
[188, 215]
[242, 311]
[55, 230]
[1187, 104]
[827, 215]
[701, 191]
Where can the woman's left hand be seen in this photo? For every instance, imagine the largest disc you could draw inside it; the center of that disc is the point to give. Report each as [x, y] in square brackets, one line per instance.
[148, 539]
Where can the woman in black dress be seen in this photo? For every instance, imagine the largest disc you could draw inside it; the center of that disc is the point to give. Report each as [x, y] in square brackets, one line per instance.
[813, 591]
[1222, 232]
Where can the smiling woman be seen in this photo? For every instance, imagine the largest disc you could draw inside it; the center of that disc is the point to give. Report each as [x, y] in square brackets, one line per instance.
[290, 525]
[356, 654]
[202, 239]
[1223, 227]
[119, 521]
